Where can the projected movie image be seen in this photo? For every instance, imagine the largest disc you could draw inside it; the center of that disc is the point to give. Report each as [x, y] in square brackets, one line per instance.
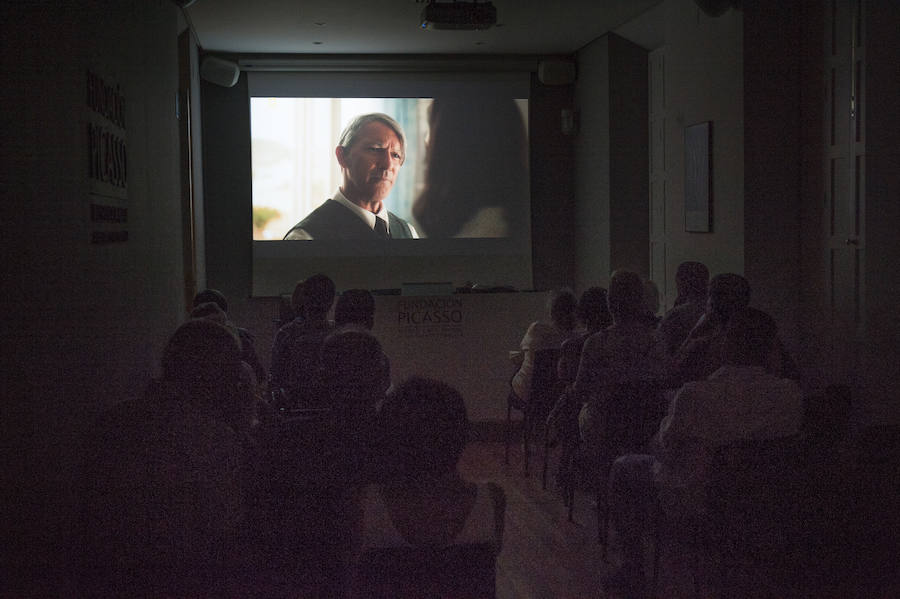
[410, 168]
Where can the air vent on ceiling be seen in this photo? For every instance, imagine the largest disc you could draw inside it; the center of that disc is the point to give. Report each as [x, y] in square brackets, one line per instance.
[458, 15]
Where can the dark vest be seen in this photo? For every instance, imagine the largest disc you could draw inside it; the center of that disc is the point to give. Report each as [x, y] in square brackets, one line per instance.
[331, 220]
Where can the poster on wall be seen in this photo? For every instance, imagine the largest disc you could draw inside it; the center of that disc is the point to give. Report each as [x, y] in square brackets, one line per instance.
[107, 159]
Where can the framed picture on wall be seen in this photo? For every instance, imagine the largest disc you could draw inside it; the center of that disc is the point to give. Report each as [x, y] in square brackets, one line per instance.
[698, 178]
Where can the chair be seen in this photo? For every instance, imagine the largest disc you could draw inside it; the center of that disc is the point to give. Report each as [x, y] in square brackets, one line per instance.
[751, 519]
[545, 389]
[826, 417]
[297, 486]
[564, 415]
[631, 417]
[464, 571]
[872, 550]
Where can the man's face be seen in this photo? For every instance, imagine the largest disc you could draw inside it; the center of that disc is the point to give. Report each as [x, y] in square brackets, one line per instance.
[371, 164]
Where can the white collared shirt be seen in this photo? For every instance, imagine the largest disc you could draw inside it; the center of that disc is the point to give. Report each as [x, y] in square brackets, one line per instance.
[735, 403]
[365, 215]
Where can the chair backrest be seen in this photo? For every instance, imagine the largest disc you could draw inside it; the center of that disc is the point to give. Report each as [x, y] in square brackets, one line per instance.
[826, 416]
[161, 500]
[301, 439]
[297, 367]
[754, 495]
[304, 502]
[545, 385]
[464, 571]
[631, 417]
[876, 497]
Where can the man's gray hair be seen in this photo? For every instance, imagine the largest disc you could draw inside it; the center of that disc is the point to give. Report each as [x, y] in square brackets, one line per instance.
[351, 131]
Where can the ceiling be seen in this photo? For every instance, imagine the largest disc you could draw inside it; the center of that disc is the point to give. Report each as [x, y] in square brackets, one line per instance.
[393, 26]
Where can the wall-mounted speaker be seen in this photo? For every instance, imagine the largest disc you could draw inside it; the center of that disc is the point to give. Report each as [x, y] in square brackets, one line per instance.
[219, 71]
[556, 72]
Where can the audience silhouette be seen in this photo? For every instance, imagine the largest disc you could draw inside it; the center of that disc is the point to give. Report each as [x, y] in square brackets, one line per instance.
[355, 307]
[426, 508]
[741, 400]
[627, 352]
[196, 490]
[163, 506]
[542, 335]
[248, 348]
[295, 351]
[691, 281]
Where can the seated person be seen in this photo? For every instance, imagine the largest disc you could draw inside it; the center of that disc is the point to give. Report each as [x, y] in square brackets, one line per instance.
[542, 335]
[356, 375]
[163, 503]
[701, 353]
[262, 412]
[225, 390]
[355, 311]
[295, 351]
[356, 308]
[627, 352]
[320, 462]
[691, 281]
[594, 316]
[741, 400]
[426, 506]
[248, 350]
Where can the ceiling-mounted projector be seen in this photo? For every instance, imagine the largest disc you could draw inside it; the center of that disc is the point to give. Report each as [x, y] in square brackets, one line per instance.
[459, 15]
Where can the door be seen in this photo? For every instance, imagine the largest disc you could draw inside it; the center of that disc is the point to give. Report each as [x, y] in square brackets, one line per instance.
[845, 185]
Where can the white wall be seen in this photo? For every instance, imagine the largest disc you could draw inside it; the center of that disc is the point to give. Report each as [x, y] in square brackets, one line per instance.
[82, 324]
[629, 193]
[704, 82]
[77, 305]
[591, 170]
[611, 187]
[472, 355]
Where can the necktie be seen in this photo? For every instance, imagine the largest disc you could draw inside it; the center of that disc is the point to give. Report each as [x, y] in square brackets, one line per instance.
[381, 228]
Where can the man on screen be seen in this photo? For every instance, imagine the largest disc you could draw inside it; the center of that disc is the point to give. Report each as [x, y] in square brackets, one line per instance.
[371, 151]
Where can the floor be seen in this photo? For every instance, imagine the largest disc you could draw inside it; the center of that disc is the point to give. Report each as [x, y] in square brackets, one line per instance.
[544, 555]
